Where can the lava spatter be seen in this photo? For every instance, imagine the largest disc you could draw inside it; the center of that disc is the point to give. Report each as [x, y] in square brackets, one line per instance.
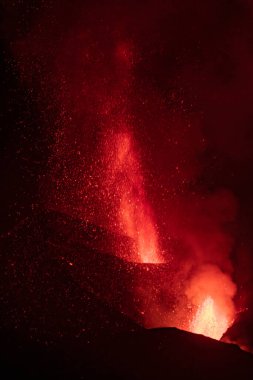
[125, 180]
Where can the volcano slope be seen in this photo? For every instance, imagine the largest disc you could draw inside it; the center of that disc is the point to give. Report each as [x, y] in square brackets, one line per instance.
[66, 312]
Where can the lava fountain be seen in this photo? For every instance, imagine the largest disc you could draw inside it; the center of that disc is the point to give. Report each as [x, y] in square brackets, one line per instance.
[209, 320]
[211, 293]
[126, 182]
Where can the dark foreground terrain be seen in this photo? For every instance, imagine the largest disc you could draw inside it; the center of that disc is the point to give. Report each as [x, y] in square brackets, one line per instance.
[64, 304]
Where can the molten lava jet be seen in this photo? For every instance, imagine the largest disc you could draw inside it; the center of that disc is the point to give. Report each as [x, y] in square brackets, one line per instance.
[211, 292]
[126, 182]
[209, 320]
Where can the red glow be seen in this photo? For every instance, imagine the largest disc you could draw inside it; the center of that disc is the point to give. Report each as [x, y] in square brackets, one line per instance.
[210, 320]
[124, 53]
[211, 291]
[134, 214]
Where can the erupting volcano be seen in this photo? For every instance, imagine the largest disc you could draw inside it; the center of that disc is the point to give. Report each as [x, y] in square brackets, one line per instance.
[131, 159]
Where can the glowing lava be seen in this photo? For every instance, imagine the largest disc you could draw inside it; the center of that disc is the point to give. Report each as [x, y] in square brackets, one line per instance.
[209, 320]
[125, 181]
[134, 212]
